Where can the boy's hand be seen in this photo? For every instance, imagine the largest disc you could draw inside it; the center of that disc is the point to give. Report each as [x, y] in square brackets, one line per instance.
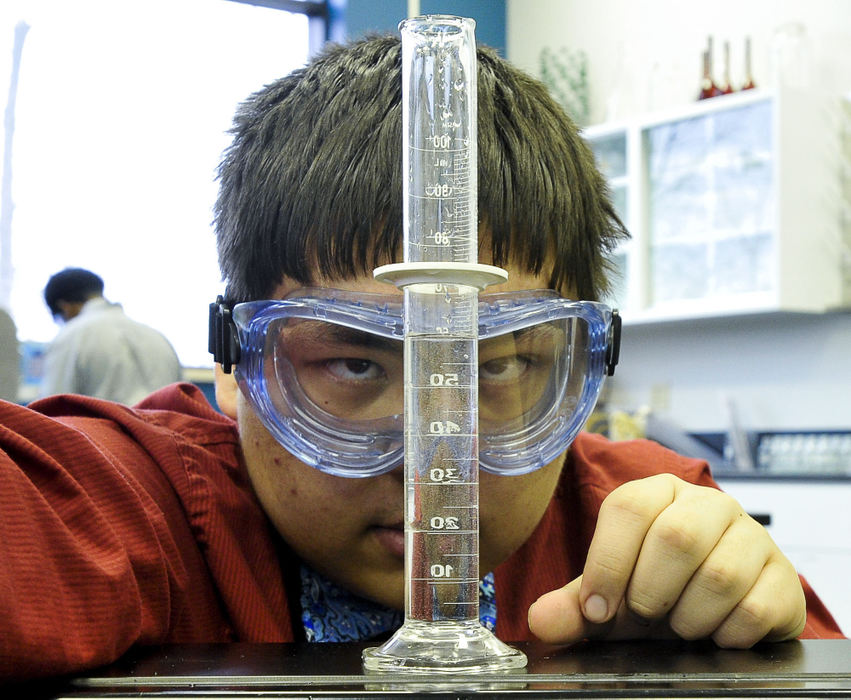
[669, 558]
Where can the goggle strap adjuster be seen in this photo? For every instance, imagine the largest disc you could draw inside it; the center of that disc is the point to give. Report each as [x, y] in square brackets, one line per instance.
[613, 349]
[223, 339]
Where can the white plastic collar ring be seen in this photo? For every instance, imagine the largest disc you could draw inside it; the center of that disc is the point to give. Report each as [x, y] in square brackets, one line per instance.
[472, 274]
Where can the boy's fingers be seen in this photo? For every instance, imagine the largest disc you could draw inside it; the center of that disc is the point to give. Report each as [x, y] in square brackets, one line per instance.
[667, 558]
[722, 579]
[771, 610]
[557, 618]
[625, 517]
[696, 525]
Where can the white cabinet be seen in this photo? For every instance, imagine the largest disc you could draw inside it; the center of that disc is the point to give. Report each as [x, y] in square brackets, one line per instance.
[735, 205]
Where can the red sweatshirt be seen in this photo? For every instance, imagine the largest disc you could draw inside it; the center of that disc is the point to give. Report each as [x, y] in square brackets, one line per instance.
[123, 526]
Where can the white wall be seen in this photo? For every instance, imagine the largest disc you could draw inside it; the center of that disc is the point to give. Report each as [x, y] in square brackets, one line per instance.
[783, 372]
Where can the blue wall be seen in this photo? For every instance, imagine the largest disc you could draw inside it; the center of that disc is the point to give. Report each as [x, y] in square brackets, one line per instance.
[364, 16]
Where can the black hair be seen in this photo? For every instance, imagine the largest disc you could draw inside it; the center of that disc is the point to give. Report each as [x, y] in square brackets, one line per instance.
[71, 284]
[311, 185]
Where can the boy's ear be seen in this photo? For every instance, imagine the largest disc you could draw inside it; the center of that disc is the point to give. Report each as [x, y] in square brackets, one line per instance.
[226, 390]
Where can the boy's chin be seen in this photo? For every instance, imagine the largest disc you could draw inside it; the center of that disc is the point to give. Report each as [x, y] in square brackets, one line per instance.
[390, 594]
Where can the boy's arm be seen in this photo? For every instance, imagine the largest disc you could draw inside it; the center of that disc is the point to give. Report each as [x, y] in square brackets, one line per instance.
[95, 553]
[669, 558]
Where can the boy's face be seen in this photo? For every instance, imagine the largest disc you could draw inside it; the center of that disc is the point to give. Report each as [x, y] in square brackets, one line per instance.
[351, 530]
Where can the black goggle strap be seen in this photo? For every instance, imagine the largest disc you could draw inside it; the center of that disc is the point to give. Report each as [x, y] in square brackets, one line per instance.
[223, 339]
[613, 348]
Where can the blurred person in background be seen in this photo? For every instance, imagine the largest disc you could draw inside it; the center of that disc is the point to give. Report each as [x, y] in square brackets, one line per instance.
[10, 361]
[100, 351]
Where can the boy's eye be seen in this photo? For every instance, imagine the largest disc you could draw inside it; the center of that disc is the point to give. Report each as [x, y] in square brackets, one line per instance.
[503, 369]
[354, 369]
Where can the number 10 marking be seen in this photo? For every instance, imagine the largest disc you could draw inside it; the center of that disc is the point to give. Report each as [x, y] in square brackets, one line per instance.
[441, 571]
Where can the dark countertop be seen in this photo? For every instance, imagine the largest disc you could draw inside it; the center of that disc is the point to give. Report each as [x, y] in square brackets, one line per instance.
[811, 668]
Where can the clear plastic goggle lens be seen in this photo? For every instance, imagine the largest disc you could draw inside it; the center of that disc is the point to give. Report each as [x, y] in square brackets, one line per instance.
[324, 371]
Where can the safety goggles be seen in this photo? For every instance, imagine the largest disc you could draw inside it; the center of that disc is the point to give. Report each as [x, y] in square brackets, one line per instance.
[323, 369]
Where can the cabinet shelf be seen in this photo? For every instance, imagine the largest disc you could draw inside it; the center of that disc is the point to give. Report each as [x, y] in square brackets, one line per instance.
[735, 205]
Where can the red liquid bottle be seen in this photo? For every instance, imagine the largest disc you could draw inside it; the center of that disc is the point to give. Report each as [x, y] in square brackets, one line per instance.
[726, 86]
[708, 88]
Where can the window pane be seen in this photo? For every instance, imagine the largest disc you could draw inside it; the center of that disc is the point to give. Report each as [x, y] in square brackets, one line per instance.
[122, 114]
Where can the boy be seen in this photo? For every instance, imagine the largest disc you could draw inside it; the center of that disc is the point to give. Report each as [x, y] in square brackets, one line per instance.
[172, 523]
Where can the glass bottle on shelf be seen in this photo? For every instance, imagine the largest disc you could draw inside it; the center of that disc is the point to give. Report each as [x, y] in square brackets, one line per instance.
[749, 83]
[708, 88]
[726, 86]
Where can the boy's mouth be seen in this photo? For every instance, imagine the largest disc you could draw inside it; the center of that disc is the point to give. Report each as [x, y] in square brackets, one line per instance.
[392, 538]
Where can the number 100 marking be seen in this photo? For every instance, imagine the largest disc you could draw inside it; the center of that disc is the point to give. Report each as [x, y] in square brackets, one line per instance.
[440, 141]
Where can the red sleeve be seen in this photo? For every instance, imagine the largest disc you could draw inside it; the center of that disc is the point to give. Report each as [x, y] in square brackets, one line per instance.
[95, 556]
[820, 623]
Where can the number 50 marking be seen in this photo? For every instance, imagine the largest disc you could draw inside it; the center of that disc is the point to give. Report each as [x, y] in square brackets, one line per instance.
[450, 379]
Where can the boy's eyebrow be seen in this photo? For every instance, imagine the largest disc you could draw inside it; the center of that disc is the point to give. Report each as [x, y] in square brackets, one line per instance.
[539, 330]
[331, 333]
[323, 332]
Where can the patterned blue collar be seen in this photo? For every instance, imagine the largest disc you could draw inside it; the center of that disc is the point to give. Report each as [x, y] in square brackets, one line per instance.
[331, 614]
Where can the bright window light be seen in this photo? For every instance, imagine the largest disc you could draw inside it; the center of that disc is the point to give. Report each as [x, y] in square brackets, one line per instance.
[122, 115]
